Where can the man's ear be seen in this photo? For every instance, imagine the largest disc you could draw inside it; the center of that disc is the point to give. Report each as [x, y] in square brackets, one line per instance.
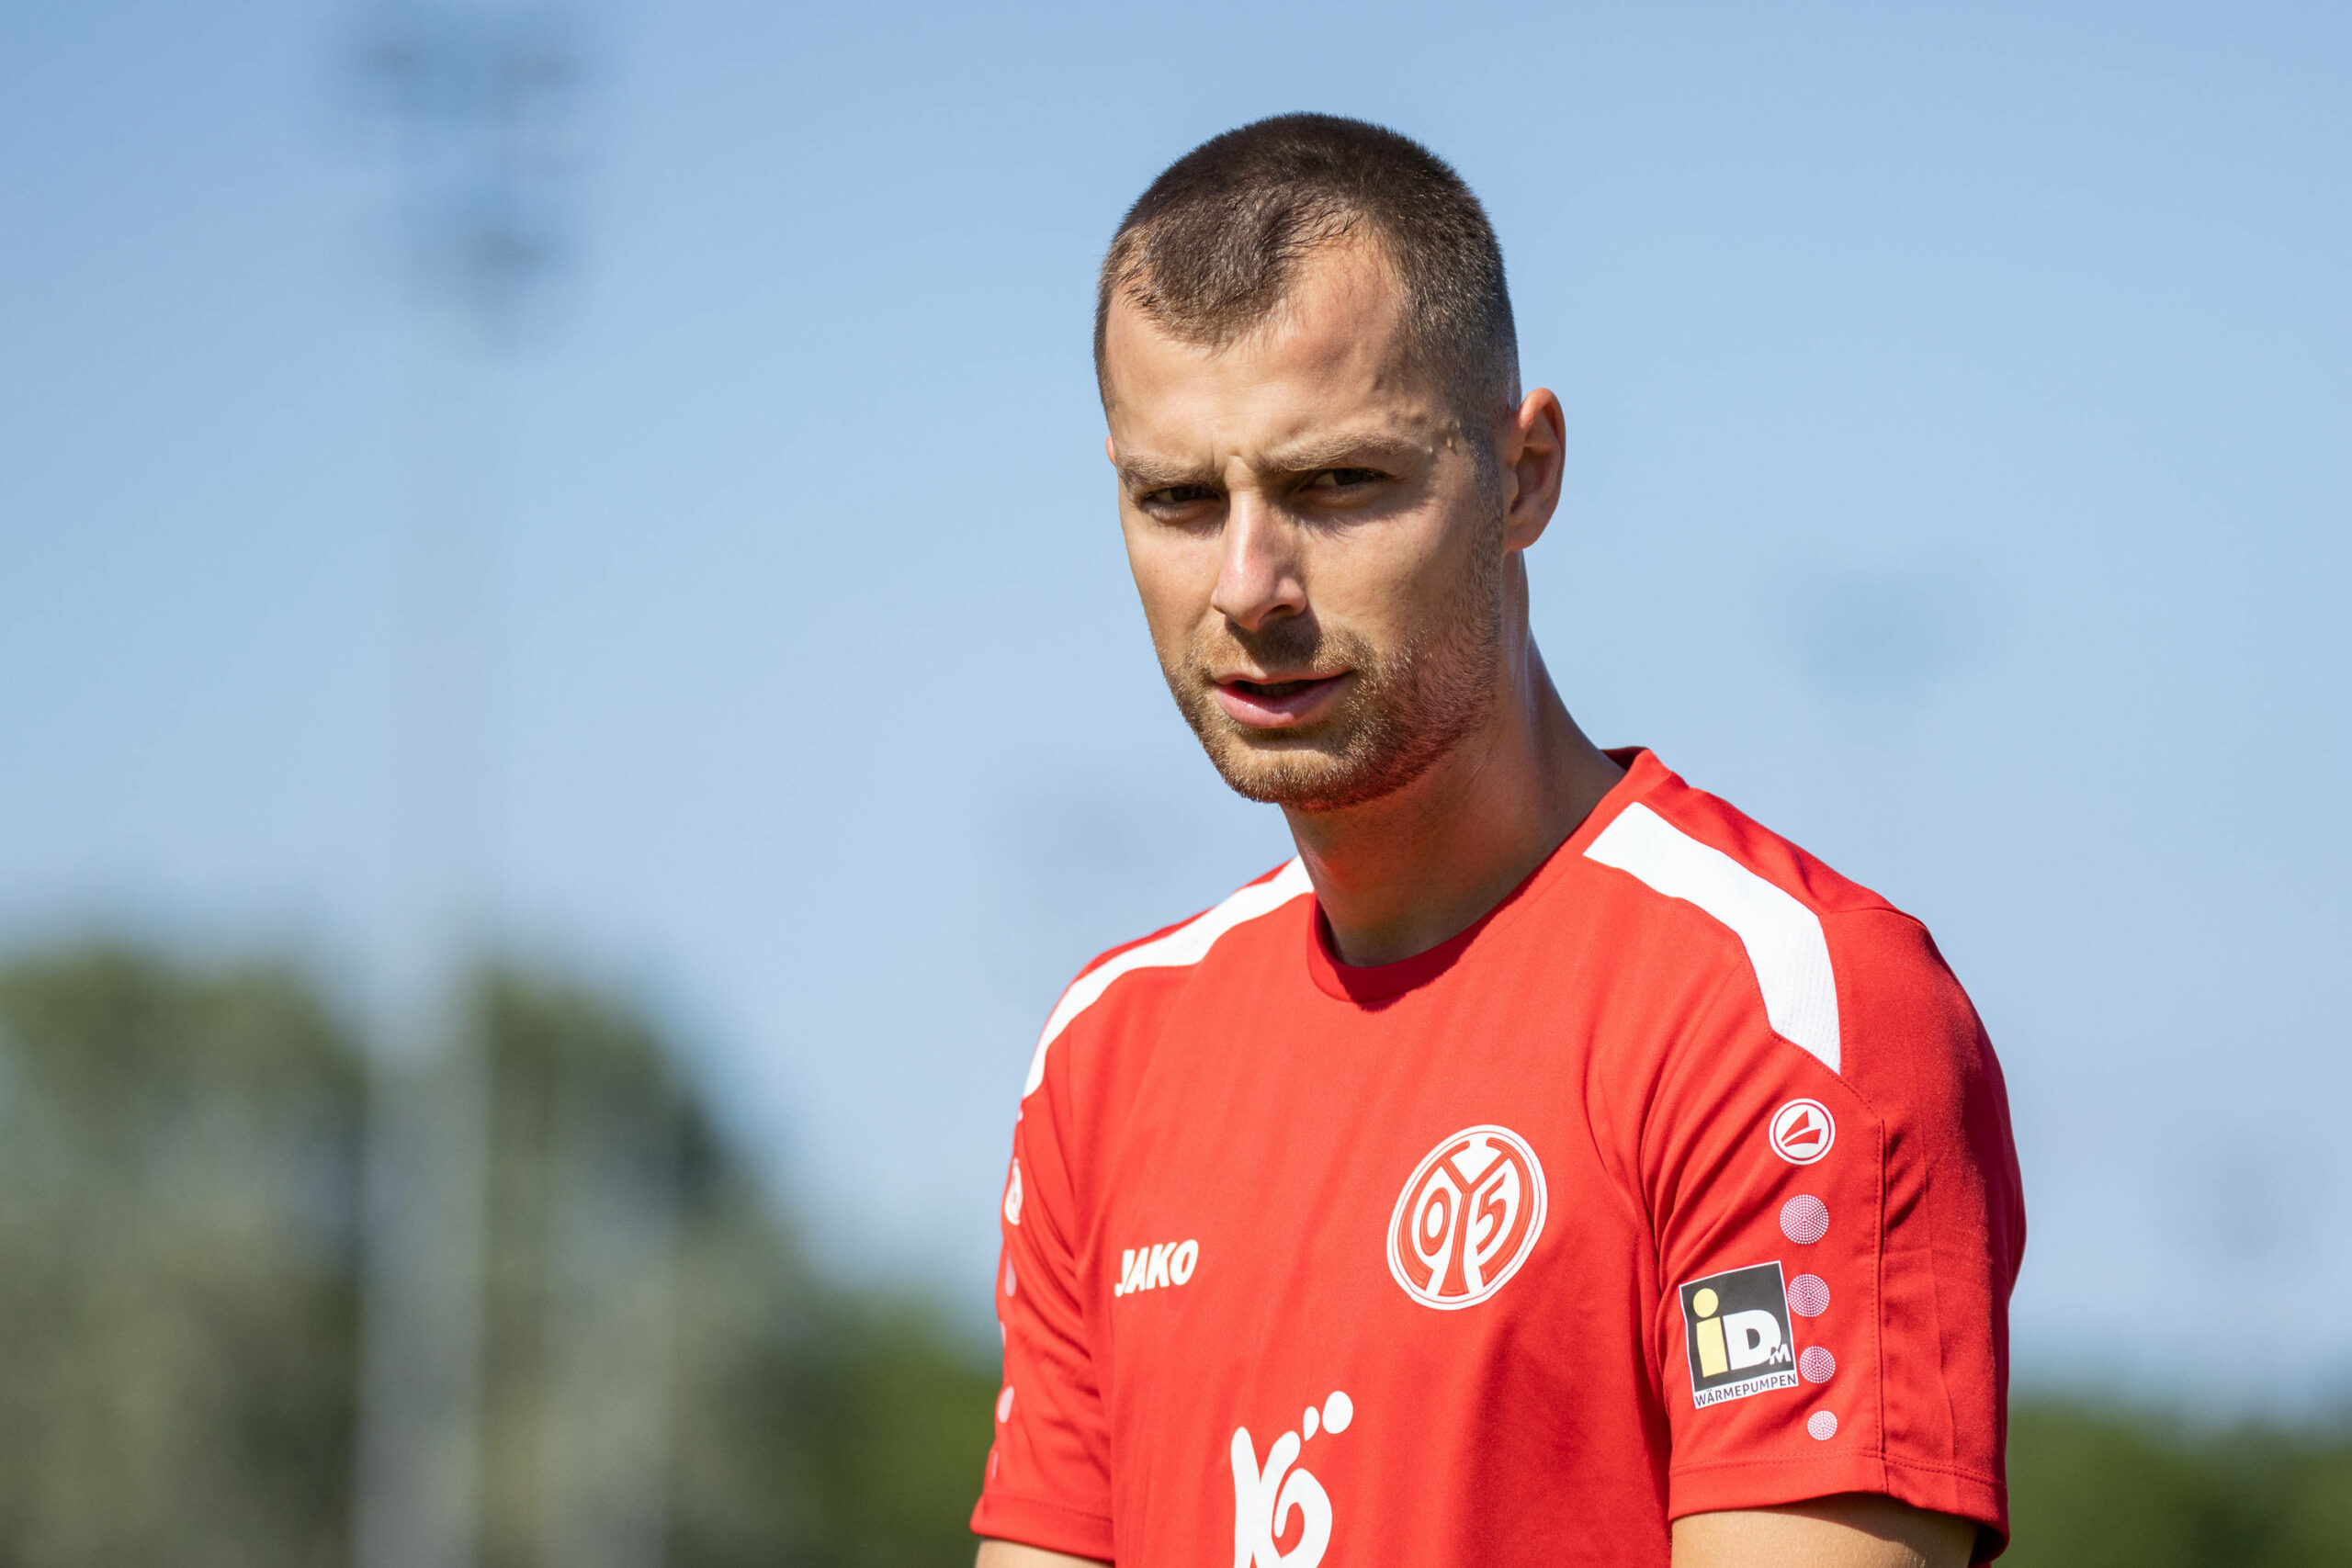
[1534, 455]
[1110, 450]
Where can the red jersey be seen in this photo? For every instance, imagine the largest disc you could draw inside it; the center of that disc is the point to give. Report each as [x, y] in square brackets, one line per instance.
[1681, 1181]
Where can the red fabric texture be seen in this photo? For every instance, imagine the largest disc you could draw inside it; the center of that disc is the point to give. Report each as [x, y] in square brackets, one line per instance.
[1268, 1108]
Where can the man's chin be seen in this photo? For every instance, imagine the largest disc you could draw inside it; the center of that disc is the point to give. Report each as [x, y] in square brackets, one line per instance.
[1297, 775]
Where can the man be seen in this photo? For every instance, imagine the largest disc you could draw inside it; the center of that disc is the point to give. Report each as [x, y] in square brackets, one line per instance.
[1549, 1165]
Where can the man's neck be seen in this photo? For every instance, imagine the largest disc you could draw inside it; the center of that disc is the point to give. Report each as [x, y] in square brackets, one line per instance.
[1398, 875]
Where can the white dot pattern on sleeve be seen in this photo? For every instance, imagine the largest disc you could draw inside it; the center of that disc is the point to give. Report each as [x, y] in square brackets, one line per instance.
[1804, 1219]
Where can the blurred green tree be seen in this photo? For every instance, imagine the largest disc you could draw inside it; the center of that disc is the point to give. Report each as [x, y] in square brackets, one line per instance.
[2107, 1486]
[177, 1165]
[666, 1381]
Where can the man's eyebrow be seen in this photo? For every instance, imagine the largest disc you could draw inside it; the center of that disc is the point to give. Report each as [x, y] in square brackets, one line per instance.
[1144, 473]
[1340, 451]
[1148, 473]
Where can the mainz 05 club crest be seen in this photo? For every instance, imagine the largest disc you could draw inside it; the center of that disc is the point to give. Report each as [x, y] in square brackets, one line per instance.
[1467, 1218]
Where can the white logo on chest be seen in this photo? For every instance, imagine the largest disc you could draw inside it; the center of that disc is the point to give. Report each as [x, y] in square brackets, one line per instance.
[1468, 1218]
[1148, 1268]
[1264, 1497]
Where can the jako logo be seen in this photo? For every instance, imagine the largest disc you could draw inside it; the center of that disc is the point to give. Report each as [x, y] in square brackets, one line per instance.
[1147, 1268]
[1264, 1497]
[1468, 1218]
[1737, 1334]
[1802, 1131]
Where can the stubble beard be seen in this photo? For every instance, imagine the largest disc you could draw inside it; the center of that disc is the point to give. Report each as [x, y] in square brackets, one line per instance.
[1409, 705]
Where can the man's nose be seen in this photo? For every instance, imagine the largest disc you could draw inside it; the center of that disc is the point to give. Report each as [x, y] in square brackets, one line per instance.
[1258, 580]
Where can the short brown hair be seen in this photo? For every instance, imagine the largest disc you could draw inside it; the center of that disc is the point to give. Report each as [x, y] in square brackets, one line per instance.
[1210, 249]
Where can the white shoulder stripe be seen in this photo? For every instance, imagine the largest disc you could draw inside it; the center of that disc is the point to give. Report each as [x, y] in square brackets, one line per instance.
[1188, 943]
[1784, 940]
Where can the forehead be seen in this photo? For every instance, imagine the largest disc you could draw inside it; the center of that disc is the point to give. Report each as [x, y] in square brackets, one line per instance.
[1331, 355]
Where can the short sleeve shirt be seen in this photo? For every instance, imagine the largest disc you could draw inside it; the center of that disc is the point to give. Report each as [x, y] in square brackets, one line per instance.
[1681, 1181]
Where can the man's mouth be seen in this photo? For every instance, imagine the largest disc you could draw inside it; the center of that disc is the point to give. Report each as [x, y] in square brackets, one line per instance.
[1275, 705]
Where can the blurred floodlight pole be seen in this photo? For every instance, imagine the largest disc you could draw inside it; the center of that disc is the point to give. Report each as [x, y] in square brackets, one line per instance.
[475, 104]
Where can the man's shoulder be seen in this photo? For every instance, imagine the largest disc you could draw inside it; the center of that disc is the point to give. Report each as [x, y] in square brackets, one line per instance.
[1675, 831]
[1114, 986]
[1806, 933]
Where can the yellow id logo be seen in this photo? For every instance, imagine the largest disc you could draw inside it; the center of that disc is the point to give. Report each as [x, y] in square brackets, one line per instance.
[1738, 1335]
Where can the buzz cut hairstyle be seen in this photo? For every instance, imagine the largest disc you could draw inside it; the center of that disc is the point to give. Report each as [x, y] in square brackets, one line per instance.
[1212, 248]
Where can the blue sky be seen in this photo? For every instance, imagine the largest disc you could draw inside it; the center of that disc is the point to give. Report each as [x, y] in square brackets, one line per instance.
[1957, 405]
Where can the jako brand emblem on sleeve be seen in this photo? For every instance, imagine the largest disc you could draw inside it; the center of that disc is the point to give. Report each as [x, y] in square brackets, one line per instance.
[1467, 1218]
[1736, 1327]
[1802, 1130]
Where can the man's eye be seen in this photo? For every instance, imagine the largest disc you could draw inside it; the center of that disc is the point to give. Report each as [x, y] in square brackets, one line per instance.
[1180, 495]
[1343, 479]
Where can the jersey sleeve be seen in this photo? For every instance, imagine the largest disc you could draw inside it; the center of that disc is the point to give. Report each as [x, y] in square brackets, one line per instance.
[1836, 1245]
[1048, 1481]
